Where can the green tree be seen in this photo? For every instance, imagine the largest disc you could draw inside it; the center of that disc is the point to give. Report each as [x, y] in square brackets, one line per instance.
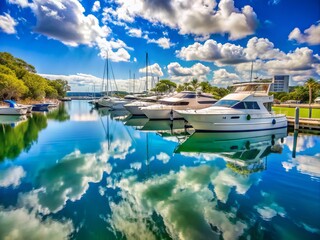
[36, 84]
[180, 88]
[165, 85]
[313, 87]
[6, 70]
[51, 92]
[61, 86]
[205, 87]
[194, 84]
[11, 87]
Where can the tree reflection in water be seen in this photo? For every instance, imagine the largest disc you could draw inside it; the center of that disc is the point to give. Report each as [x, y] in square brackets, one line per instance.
[15, 138]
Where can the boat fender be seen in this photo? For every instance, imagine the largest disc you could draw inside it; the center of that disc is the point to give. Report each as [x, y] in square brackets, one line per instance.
[274, 121]
[248, 117]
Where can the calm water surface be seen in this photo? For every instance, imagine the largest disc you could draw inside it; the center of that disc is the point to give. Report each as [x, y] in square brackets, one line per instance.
[80, 173]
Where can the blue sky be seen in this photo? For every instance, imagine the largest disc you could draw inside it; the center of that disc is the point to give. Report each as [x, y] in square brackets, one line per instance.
[213, 41]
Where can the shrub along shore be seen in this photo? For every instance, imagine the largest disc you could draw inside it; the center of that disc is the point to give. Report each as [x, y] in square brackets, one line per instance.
[20, 81]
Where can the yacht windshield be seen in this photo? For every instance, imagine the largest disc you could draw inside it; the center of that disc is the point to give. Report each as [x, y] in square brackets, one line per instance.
[186, 95]
[226, 103]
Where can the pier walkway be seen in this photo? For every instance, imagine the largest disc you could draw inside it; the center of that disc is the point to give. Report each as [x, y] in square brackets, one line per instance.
[305, 123]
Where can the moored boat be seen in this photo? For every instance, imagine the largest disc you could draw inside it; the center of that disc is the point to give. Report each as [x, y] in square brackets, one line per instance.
[13, 109]
[40, 107]
[135, 107]
[247, 109]
[183, 100]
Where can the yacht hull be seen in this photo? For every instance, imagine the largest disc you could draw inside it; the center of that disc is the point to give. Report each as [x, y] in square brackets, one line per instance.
[135, 108]
[115, 104]
[161, 113]
[225, 123]
[13, 111]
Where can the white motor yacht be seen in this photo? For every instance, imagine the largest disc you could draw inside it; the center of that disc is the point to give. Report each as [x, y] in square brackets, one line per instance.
[135, 107]
[111, 102]
[247, 109]
[180, 101]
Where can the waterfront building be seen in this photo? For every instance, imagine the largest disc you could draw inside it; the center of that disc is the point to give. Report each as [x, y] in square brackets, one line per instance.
[280, 83]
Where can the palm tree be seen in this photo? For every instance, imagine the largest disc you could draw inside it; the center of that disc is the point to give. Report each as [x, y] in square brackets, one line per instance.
[195, 84]
[186, 86]
[312, 85]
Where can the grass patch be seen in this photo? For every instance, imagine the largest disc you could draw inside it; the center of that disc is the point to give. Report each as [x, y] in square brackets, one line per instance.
[304, 112]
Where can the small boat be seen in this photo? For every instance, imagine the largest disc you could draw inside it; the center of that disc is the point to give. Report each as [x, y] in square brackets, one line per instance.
[247, 109]
[65, 99]
[41, 107]
[13, 109]
[181, 101]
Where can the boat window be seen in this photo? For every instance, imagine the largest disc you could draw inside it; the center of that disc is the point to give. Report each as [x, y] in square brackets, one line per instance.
[181, 103]
[235, 117]
[180, 95]
[175, 103]
[226, 103]
[207, 102]
[252, 88]
[252, 105]
[239, 105]
[205, 96]
[190, 95]
[268, 106]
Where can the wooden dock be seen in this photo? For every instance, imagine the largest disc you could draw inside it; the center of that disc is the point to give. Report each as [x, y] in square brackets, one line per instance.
[305, 123]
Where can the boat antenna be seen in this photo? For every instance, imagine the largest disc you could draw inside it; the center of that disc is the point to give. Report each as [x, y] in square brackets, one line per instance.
[146, 71]
[251, 71]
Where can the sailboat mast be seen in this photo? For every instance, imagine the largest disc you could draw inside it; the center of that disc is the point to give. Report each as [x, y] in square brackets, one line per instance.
[134, 82]
[251, 71]
[107, 74]
[129, 84]
[147, 72]
[104, 73]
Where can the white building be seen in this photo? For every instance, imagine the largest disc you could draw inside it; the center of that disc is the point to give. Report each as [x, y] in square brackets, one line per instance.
[280, 83]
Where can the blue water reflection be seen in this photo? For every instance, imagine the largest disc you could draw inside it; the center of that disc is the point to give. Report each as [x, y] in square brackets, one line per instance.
[96, 174]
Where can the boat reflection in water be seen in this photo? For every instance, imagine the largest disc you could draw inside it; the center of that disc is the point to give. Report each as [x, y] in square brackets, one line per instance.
[12, 120]
[116, 114]
[243, 152]
[170, 130]
[135, 122]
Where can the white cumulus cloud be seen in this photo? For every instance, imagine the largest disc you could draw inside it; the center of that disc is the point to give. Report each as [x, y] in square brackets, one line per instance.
[211, 51]
[311, 35]
[153, 70]
[192, 17]
[21, 3]
[96, 6]
[7, 24]
[223, 78]
[11, 176]
[177, 72]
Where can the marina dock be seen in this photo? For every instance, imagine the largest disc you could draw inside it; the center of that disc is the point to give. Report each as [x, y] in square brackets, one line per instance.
[305, 123]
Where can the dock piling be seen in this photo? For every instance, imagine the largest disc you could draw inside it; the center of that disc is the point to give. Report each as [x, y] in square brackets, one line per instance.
[296, 119]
